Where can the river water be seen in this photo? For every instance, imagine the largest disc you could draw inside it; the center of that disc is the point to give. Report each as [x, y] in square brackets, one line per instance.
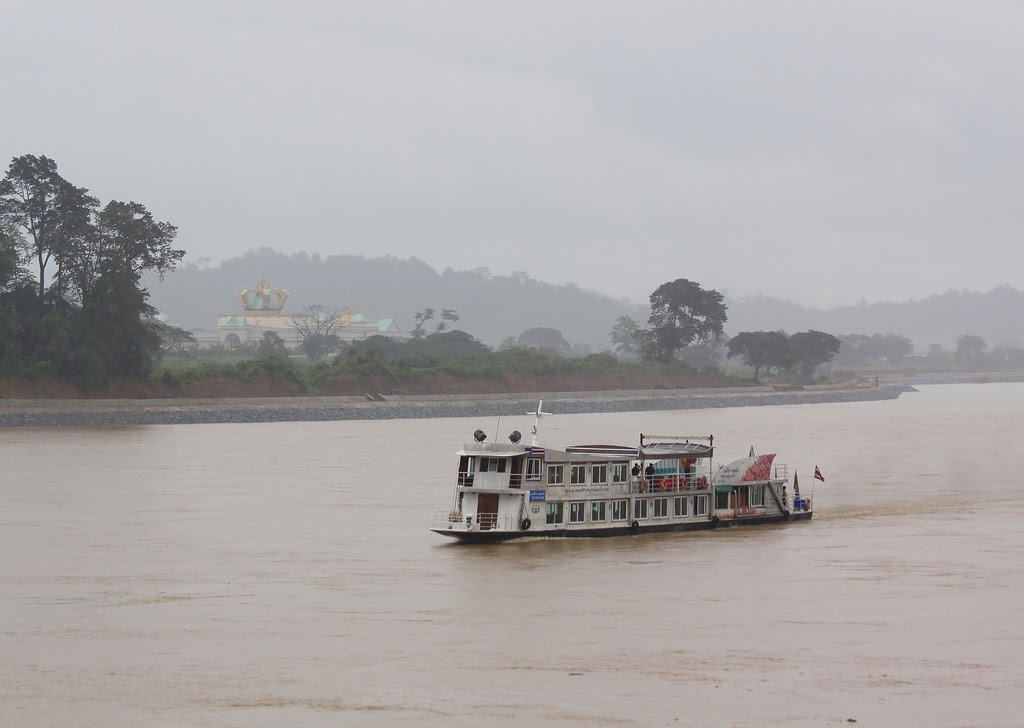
[283, 574]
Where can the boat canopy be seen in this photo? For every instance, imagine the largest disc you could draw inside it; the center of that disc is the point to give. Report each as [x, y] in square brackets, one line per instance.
[492, 449]
[576, 456]
[648, 451]
[745, 470]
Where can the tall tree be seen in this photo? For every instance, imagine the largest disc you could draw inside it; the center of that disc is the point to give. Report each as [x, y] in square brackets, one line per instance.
[99, 257]
[421, 318]
[682, 312]
[49, 210]
[811, 348]
[447, 314]
[761, 349]
[124, 237]
[12, 253]
[969, 348]
[624, 336]
[317, 325]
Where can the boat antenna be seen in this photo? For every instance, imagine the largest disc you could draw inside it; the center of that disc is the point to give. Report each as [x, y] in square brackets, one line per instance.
[538, 415]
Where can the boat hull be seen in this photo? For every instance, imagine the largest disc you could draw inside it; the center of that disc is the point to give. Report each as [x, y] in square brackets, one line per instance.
[497, 536]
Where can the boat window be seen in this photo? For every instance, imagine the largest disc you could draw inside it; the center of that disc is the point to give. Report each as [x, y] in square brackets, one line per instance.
[577, 512]
[555, 513]
[757, 495]
[620, 510]
[492, 465]
[556, 474]
[533, 469]
[599, 474]
[661, 507]
[700, 505]
[680, 506]
[598, 511]
[640, 508]
[722, 500]
[577, 474]
[743, 497]
[620, 472]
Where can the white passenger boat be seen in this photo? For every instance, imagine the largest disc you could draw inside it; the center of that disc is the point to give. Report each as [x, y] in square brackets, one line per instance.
[664, 483]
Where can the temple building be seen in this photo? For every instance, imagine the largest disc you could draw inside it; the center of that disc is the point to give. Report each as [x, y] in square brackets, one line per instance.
[263, 311]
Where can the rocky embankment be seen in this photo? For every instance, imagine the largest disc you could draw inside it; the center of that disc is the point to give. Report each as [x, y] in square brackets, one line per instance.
[119, 413]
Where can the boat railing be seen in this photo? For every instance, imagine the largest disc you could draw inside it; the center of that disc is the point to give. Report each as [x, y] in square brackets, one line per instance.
[481, 521]
[668, 484]
[446, 517]
[492, 521]
[467, 477]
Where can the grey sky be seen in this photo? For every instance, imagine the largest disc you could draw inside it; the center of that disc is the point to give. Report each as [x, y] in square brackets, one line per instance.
[818, 151]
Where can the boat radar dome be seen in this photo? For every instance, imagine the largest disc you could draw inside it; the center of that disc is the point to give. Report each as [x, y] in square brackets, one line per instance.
[479, 435]
[515, 436]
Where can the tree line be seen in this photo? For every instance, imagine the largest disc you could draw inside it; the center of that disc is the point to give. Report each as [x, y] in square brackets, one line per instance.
[685, 315]
[71, 301]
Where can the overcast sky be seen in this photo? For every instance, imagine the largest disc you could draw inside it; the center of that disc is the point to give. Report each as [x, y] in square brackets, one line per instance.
[817, 151]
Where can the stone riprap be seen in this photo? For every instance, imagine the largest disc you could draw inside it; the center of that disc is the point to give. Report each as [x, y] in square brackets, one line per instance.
[120, 413]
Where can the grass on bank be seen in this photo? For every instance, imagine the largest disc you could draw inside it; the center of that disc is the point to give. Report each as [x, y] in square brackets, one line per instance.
[376, 370]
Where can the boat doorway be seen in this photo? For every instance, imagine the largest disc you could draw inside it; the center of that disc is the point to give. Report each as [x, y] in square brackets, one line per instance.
[487, 510]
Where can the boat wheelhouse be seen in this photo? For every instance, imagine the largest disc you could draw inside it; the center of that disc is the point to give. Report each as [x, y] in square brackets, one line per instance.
[664, 483]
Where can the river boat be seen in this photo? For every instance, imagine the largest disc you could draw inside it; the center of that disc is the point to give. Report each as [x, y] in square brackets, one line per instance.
[663, 483]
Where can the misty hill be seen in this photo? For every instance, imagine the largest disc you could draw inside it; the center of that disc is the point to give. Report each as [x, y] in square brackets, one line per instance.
[940, 319]
[490, 307]
[494, 307]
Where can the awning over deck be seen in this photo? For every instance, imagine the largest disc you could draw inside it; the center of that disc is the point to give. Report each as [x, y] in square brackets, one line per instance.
[649, 451]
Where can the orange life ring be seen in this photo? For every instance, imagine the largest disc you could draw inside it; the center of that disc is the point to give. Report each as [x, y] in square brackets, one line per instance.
[703, 481]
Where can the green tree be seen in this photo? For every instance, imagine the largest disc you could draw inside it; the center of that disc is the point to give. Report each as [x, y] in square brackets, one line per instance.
[271, 346]
[447, 314]
[170, 339]
[124, 237]
[421, 318]
[681, 312]
[87, 322]
[705, 355]
[762, 349]
[970, 348]
[52, 213]
[811, 348]
[12, 253]
[541, 337]
[859, 350]
[114, 331]
[624, 337]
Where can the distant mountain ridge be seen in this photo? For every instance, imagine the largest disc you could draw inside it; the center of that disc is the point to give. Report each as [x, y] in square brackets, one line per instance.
[495, 307]
[997, 316]
[489, 307]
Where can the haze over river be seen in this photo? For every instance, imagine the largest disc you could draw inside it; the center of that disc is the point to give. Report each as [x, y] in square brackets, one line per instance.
[283, 574]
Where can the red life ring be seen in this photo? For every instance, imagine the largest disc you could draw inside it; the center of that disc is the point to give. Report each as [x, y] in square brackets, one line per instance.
[703, 481]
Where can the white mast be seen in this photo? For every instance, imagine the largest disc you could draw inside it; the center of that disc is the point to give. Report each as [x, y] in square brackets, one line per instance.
[538, 415]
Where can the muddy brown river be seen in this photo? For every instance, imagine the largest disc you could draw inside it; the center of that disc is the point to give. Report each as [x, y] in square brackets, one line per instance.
[283, 574]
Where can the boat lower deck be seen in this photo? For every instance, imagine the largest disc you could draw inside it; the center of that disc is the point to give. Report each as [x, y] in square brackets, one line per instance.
[626, 529]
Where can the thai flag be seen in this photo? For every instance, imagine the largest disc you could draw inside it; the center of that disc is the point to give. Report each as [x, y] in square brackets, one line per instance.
[536, 451]
[818, 475]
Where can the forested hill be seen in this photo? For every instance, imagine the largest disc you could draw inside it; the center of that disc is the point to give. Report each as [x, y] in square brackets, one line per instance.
[489, 307]
[495, 307]
[940, 319]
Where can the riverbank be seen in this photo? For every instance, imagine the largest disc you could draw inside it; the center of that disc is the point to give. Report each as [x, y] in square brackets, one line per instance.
[128, 412]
